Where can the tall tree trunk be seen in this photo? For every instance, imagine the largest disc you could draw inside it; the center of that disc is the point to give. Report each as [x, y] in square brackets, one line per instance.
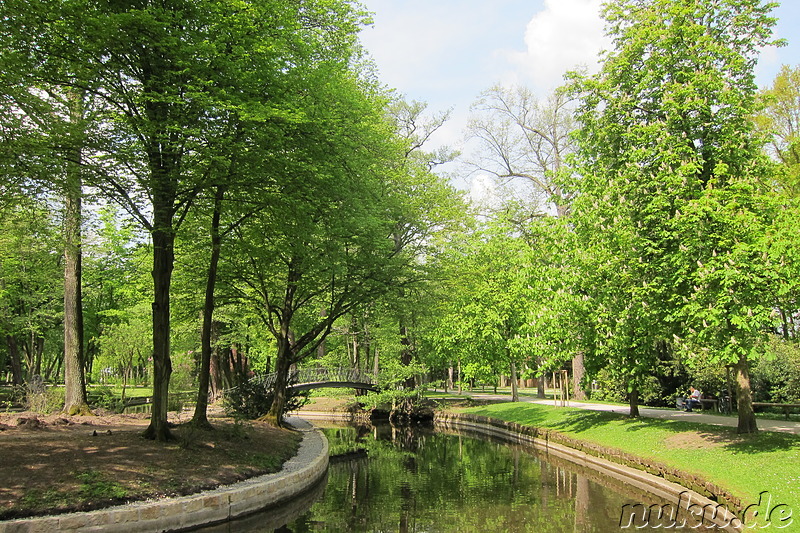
[578, 371]
[540, 380]
[163, 262]
[200, 417]
[633, 401]
[240, 363]
[15, 359]
[217, 380]
[744, 398]
[74, 379]
[282, 364]
[38, 347]
[406, 354]
[448, 384]
[514, 383]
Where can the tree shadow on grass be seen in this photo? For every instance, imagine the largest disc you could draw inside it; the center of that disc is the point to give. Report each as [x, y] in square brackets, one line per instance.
[761, 442]
[578, 421]
[581, 420]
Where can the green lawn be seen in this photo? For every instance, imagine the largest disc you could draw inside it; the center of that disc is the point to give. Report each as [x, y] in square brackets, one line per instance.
[746, 465]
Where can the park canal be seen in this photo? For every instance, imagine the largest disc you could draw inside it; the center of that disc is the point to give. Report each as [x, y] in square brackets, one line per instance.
[383, 478]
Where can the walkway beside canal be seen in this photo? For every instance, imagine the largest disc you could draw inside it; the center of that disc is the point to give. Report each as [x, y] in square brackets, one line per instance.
[701, 417]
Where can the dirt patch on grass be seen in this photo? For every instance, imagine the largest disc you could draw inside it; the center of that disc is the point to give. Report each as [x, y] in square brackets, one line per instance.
[700, 439]
[59, 463]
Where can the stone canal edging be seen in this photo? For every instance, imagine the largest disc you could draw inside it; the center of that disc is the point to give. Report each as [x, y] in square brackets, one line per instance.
[298, 475]
[718, 506]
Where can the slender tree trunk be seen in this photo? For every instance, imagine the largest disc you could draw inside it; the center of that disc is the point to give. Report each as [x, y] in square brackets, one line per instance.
[74, 379]
[514, 389]
[200, 417]
[406, 354]
[449, 381]
[38, 351]
[540, 380]
[50, 369]
[355, 361]
[163, 261]
[578, 371]
[240, 363]
[744, 398]
[784, 322]
[282, 364]
[15, 359]
[217, 379]
[633, 400]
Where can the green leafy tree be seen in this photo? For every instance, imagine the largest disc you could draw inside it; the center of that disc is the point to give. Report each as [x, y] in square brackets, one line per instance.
[486, 313]
[780, 119]
[672, 174]
[525, 139]
[30, 270]
[170, 73]
[52, 118]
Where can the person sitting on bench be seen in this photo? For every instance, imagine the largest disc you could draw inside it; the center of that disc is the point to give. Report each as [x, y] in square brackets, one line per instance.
[693, 400]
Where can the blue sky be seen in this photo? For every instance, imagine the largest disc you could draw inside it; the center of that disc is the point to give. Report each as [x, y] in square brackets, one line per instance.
[445, 52]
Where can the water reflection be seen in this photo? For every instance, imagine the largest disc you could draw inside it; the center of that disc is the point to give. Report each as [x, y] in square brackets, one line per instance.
[410, 480]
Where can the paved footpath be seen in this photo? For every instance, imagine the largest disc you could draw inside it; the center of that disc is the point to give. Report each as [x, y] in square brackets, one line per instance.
[787, 426]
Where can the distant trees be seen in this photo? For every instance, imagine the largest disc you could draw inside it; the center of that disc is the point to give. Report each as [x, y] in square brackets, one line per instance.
[522, 138]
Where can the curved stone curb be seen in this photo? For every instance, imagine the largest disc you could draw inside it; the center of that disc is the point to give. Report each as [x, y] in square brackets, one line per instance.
[697, 505]
[299, 474]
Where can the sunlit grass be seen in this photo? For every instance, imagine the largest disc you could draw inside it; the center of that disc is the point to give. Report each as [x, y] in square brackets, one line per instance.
[746, 465]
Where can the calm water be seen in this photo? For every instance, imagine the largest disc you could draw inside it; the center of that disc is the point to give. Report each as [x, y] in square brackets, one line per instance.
[420, 480]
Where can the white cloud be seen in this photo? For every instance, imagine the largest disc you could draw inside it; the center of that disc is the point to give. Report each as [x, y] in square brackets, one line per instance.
[566, 34]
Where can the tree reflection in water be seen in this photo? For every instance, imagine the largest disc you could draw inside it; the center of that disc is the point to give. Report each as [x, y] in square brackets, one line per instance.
[414, 479]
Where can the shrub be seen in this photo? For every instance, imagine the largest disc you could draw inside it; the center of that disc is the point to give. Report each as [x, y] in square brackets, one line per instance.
[251, 400]
[103, 397]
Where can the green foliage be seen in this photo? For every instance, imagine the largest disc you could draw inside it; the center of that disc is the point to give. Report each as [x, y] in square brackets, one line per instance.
[485, 307]
[105, 398]
[606, 388]
[250, 400]
[31, 293]
[779, 120]
[671, 186]
[46, 400]
[776, 376]
[388, 399]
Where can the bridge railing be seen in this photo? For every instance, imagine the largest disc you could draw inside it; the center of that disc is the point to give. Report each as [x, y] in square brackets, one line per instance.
[319, 375]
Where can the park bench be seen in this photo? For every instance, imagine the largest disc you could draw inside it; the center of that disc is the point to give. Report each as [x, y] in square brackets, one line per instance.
[708, 403]
[705, 403]
[785, 406]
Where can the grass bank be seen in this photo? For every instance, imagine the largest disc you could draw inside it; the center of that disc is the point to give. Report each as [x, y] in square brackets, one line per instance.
[746, 465]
